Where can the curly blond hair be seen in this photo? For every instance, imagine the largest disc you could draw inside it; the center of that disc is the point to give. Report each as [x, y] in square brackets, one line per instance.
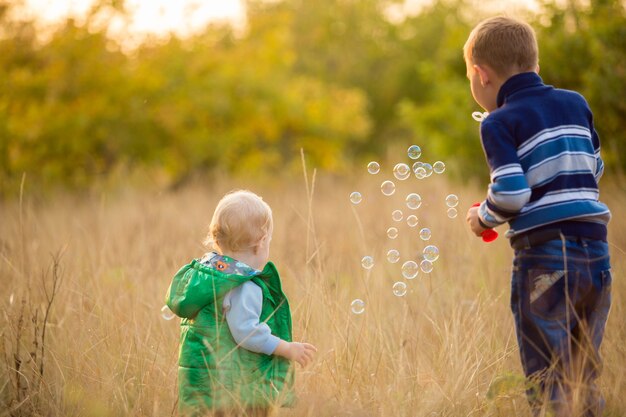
[241, 219]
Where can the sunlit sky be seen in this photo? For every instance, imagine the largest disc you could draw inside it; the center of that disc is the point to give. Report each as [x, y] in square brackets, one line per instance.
[148, 16]
[184, 17]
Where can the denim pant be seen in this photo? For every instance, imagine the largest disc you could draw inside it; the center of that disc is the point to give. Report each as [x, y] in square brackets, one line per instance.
[560, 298]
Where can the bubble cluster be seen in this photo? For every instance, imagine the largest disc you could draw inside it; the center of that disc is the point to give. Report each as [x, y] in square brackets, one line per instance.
[413, 201]
[431, 253]
[409, 269]
[373, 167]
[367, 262]
[356, 197]
[393, 256]
[357, 306]
[452, 200]
[423, 261]
[439, 167]
[401, 171]
[414, 152]
[388, 188]
[399, 289]
[166, 313]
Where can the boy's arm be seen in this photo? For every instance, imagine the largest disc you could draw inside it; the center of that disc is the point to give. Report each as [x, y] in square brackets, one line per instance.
[509, 191]
[243, 318]
[595, 140]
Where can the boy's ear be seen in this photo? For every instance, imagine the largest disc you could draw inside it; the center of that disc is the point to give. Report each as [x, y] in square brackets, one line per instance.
[537, 69]
[263, 241]
[483, 74]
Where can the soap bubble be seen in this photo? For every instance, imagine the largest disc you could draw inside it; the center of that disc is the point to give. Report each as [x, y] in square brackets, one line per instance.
[401, 171]
[409, 270]
[412, 220]
[414, 152]
[355, 197]
[388, 187]
[392, 233]
[397, 215]
[431, 253]
[357, 306]
[428, 168]
[393, 256]
[166, 313]
[367, 262]
[419, 170]
[452, 212]
[452, 200]
[399, 289]
[373, 167]
[413, 201]
[439, 167]
[425, 233]
[426, 266]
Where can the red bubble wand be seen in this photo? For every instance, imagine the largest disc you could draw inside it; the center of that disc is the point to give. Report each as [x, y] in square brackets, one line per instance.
[488, 235]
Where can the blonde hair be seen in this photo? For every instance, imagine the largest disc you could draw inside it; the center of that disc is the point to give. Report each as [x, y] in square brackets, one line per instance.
[505, 44]
[241, 219]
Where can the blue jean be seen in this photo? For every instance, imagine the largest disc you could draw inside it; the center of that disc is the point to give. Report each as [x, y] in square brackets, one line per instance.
[560, 298]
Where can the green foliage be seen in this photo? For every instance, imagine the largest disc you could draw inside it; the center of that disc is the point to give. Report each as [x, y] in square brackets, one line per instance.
[584, 49]
[337, 78]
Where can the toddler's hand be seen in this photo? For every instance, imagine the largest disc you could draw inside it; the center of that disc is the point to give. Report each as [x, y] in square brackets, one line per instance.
[296, 351]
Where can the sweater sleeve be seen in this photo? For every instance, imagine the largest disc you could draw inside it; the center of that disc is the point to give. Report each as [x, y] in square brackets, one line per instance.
[243, 311]
[595, 140]
[508, 191]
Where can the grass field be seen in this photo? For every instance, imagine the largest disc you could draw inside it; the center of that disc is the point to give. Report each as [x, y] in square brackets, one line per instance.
[446, 348]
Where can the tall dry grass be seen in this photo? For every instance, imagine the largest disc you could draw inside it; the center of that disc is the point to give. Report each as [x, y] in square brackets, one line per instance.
[447, 348]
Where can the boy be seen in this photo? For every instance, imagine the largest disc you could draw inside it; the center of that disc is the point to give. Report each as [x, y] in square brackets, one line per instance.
[235, 343]
[544, 156]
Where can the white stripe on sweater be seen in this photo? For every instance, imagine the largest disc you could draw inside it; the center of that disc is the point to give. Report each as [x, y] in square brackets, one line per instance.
[546, 134]
[562, 163]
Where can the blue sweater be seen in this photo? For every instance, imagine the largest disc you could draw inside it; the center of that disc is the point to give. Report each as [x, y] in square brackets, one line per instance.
[544, 156]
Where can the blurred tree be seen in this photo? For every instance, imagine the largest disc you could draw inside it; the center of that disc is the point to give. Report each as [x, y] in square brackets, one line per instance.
[583, 47]
[338, 78]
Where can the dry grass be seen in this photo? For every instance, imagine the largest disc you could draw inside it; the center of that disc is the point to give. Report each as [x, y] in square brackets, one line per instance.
[434, 352]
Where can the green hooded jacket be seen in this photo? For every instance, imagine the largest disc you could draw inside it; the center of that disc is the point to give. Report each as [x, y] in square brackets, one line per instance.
[214, 373]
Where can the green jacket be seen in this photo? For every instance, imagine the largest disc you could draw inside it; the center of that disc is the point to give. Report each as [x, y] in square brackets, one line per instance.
[214, 373]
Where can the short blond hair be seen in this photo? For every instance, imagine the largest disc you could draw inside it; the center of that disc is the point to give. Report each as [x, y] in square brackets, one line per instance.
[241, 219]
[507, 45]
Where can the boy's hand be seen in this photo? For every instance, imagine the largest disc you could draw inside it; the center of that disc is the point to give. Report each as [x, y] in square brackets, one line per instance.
[474, 222]
[296, 351]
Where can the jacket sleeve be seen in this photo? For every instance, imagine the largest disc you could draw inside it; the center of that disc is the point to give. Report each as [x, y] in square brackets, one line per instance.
[509, 191]
[190, 291]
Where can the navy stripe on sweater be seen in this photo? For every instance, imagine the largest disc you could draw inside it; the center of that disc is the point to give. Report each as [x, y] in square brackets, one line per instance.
[544, 156]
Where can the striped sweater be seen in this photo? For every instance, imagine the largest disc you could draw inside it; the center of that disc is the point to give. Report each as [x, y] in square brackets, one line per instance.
[544, 156]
